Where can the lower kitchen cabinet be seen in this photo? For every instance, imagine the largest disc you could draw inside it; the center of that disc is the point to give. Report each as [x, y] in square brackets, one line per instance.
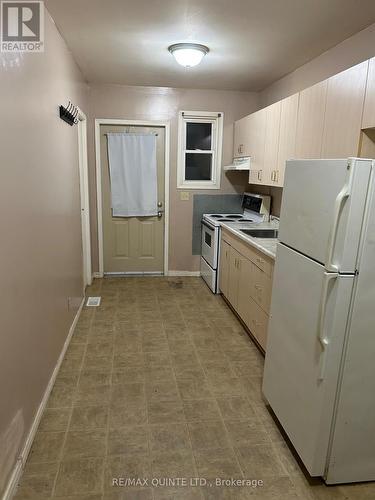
[224, 267]
[246, 268]
[246, 282]
[233, 277]
[257, 322]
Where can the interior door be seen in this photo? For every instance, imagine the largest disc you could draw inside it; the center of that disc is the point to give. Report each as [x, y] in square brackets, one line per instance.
[132, 244]
[300, 376]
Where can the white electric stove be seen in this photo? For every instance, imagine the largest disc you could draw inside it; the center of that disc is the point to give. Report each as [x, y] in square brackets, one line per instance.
[256, 209]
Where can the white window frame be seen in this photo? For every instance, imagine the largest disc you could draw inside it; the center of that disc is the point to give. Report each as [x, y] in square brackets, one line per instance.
[217, 119]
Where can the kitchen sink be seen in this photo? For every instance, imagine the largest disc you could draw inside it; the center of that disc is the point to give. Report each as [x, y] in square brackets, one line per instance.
[261, 233]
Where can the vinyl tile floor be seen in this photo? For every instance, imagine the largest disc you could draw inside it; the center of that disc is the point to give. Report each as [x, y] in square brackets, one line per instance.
[160, 388]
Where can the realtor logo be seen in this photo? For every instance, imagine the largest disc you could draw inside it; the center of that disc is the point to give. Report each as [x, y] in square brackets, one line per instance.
[22, 26]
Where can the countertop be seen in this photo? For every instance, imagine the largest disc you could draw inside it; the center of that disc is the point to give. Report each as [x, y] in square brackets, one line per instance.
[265, 245]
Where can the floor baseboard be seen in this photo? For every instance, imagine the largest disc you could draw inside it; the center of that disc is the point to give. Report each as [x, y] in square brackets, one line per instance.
[184, 273]
[170, 273]
[21, 461]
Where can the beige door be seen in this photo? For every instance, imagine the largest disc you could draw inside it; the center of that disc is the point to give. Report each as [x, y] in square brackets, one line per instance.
[132, 244]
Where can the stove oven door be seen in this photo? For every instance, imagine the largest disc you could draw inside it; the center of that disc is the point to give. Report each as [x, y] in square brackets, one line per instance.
[210, 244]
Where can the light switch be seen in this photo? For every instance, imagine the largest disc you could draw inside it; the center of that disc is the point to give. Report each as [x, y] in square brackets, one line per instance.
[184, 196]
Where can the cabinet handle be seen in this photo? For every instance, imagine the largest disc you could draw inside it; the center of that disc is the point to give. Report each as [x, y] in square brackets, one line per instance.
[259, 175]
[276, 179]
[272, 175]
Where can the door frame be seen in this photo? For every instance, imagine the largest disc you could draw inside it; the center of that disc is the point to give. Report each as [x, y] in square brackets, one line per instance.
[142, 123]
[84, 198]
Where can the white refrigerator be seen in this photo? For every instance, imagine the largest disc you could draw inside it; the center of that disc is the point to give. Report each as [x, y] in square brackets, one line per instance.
[319, 376]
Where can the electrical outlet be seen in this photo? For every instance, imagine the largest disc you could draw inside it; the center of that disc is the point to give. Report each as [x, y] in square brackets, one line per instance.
[184, 196]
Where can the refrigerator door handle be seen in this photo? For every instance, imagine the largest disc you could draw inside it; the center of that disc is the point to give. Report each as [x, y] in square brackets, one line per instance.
[324, 339]
[340, 199]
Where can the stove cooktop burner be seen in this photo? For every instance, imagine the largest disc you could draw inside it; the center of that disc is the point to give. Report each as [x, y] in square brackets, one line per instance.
[236, 216]
[226, 220]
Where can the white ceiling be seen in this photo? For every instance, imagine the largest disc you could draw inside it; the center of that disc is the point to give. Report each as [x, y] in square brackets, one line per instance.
[252, 42]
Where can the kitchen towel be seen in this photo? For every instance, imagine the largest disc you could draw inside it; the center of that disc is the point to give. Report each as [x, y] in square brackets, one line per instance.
[133, 175]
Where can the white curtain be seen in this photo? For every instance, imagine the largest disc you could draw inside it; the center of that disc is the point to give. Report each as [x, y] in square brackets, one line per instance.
[133, 175]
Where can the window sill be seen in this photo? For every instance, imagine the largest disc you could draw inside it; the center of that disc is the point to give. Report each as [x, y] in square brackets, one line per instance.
[197, 186]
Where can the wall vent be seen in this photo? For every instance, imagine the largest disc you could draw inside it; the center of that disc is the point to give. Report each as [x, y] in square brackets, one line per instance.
[93, 301]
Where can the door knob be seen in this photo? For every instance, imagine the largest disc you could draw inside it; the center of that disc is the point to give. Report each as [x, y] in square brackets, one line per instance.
[160, 204]
[160, 214]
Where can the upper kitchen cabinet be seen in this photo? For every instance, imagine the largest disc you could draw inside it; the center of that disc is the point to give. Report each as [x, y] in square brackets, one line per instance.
[271, 143]
[256, 141]
[310, 121]
[241, 137]
[368, 120]
[287, 138]
[343, 115]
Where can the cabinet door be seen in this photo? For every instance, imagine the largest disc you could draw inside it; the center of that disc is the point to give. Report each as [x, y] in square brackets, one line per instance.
[369, 109]
[310, 121]
[258, 323]
[261, 286]
[233, 278]
[257, 135]
[241, 137]
[245, 279]
[343, 116]
[271, 143]
[287, 139]
[224, 267]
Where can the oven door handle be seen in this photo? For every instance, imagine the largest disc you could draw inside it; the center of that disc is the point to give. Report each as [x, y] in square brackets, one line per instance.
[204, 223]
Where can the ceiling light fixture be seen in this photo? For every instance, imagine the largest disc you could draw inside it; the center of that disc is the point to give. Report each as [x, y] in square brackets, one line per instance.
[188, 54]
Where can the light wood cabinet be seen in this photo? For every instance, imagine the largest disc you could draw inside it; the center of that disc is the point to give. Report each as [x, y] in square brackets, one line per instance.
[322, 121]
[233, 277]
[260, 290]
[287, 138]
[368, 120]
[258, 323]
[246, 282]
[224, 267]
[271, 142]
[246, 268]
[343, 114]
[310, 121]
[241, 146]
[256, 141]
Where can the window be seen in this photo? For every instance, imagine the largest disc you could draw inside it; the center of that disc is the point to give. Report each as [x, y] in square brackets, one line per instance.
[200, 136]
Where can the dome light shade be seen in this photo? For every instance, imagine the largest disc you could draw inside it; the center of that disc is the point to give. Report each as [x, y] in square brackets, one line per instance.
[188, 54]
